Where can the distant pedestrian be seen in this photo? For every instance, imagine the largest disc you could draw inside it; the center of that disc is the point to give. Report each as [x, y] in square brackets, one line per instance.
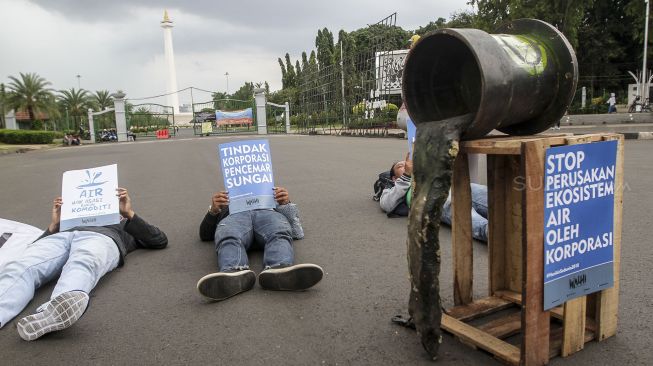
[613, 104]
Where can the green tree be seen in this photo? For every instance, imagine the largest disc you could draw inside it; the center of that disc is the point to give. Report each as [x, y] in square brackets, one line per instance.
[325, 48]
[284, 74]
[290, 72]
[31, 92]
[298, 71]
[461, 19]
[245, 92]
[3, 103]
[432, 26]
[101, 99]
[76, 102]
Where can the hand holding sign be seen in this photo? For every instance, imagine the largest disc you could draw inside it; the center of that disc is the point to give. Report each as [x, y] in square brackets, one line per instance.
[125, 203]
[408, 166]
[281, 195]
[56, 215]
[219, 202]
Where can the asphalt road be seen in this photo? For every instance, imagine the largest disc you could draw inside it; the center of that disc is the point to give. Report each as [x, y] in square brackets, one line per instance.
[149, 312]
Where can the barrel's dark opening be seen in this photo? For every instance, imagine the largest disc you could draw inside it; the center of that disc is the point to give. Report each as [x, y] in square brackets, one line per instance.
[442, 79]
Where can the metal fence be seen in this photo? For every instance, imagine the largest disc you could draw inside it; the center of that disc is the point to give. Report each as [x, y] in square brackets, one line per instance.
[275, 116]
[144, 120]
[359, 95]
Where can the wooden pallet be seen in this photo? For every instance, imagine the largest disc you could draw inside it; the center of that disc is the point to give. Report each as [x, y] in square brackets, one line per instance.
[516, 266]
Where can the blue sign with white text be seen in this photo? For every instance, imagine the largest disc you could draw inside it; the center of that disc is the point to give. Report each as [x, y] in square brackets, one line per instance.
[411, 132]
[247, 172]
[579, 186]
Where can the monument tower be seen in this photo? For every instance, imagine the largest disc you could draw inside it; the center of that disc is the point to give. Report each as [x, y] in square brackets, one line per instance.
[171, 82]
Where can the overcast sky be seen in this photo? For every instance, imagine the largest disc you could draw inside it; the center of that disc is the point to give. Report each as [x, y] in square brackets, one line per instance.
[118, 44]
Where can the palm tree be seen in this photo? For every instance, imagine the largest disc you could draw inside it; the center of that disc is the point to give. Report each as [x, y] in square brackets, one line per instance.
[76, 101]
[31, 92]
[3, 102]
[54, 113]
[101, 100]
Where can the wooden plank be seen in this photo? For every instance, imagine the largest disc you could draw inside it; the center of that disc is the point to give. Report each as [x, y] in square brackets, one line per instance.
[496, 233]
[509, 145]
[573, 333]
[535, 321]
[500, 349]
[555, 341]
[512, 296]
[608, 300]
[479, 308]
[514, 185]
[504, 326]
[461, 232]
[511, 150]
[556, 312]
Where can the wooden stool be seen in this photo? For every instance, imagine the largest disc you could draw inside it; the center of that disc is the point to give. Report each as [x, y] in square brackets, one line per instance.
[515, 167]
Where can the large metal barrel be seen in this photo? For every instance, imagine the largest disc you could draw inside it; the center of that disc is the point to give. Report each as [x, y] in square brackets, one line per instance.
[519, 81]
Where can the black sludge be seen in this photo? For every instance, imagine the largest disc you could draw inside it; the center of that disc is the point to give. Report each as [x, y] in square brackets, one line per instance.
[436, 149]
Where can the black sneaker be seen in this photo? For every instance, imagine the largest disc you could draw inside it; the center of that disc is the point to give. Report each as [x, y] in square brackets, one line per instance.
[59, 313]
[223, 285]
[293, 278]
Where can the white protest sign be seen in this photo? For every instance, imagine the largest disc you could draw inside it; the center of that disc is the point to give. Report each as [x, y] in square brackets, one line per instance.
[89, 197]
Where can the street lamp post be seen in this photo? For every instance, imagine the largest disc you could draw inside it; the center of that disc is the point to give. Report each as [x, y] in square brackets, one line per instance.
[79, 81]
[227, 75]
[644, 92]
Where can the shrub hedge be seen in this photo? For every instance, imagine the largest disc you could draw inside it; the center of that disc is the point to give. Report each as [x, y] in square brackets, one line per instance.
[27, 136]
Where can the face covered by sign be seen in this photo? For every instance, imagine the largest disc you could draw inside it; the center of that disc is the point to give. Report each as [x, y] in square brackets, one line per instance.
[89, 197]
[248, 177]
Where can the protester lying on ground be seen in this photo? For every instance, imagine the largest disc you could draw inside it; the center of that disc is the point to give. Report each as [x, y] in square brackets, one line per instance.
[80, 256]
[235, 234]
[393, 190]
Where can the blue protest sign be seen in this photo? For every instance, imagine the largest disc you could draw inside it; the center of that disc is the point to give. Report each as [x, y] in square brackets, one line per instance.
[411, 130]
[247, 172]
[579, 187]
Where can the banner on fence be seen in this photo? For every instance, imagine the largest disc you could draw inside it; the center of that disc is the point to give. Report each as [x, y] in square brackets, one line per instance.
[389, 67]
[241, 117]
[207, 127]
[89, 197]
[579, 187]
[247, 172]
[201, 117]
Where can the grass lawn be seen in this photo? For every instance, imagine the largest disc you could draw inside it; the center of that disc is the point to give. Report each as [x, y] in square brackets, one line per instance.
[9, 148]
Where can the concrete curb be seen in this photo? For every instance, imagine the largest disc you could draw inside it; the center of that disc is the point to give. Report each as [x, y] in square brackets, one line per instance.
[638, 135]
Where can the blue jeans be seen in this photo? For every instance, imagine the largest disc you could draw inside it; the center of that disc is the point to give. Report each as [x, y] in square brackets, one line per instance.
[479, 212]
[242, 231]
[82, 258]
